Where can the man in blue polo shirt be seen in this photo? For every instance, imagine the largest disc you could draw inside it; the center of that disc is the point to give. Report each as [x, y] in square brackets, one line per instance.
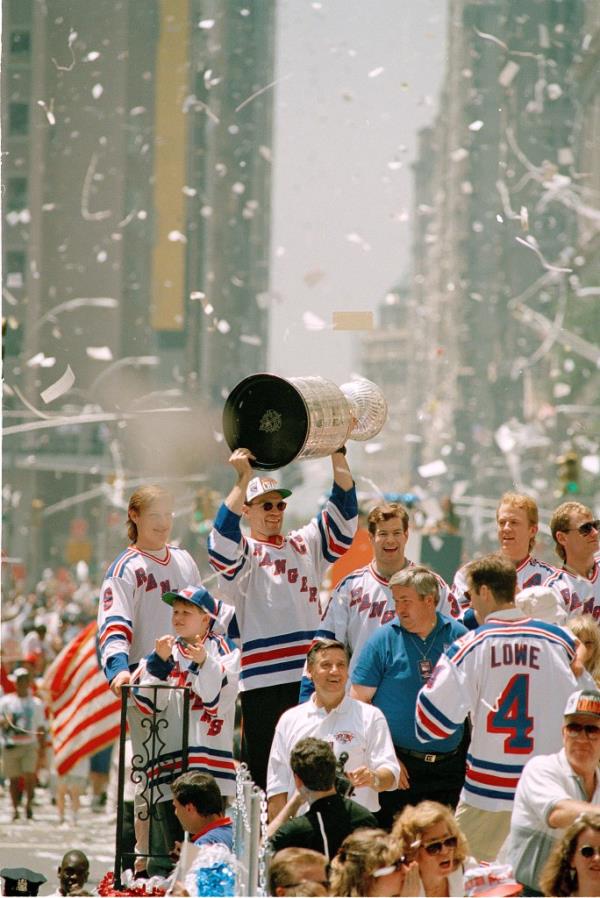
[199, 808]
[392, 667]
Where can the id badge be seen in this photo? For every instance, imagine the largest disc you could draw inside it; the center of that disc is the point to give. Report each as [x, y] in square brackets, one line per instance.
[425, 669]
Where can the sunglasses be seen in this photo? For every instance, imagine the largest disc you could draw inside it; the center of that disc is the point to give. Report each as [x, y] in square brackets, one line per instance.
[391, 868]
[576, 729]
[436, 847]
[269, 506]
[585, 529]
[588, 851]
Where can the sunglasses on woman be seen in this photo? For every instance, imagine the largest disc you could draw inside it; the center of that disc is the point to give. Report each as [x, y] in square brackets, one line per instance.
[588, 851]
[269, 506]
[391, 868]
[436, 847]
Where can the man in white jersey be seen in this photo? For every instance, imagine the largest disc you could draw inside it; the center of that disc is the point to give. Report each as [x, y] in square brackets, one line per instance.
[513, 675]
[517, 519]
[349, 726]
[555, 789]
[575, 534]
[273, 581]
[363, 601]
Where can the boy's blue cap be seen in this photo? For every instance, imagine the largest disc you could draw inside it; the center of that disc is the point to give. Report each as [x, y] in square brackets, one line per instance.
[197, 596]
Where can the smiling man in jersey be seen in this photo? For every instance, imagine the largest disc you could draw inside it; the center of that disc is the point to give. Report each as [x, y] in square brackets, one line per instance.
[513, 675]
[363, 601]
[575, 533]
[273, 581]
[517, 522]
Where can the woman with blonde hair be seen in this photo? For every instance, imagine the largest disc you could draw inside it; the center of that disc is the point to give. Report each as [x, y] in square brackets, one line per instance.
[573, 868]
[367, 864]
[430, 835]
[586, 629]
[132, 616]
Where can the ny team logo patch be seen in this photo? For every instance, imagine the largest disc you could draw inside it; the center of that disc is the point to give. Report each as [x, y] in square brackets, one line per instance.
[107, 598]
[344, 738]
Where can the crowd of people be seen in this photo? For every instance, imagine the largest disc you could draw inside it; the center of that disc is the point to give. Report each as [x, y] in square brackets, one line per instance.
[413, 737]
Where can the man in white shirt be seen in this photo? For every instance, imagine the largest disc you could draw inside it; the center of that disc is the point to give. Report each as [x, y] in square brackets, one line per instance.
[351, 727]
[555, 789]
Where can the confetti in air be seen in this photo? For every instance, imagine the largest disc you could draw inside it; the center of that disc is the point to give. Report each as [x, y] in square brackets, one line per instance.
[61, 386]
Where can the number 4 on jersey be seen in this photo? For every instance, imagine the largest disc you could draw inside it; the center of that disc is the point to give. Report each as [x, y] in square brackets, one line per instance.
[513, 717]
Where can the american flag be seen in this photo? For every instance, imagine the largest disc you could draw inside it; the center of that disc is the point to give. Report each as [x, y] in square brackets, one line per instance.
[85, 713]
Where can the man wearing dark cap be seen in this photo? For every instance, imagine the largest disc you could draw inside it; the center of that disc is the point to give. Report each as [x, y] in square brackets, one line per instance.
[21, 881]
[273, 581]
[22, 725]
[555, 789]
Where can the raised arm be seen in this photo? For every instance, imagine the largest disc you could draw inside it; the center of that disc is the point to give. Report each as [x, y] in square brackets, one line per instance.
[240, 462]
[341, 470]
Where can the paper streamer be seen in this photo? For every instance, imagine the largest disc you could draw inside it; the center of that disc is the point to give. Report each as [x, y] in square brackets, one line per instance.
[62, 385]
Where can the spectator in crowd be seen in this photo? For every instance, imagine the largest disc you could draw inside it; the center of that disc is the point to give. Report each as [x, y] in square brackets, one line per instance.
[352, 728]
[273, 580]
[331, 817]
[430, 835]
[575, 533]
[517, 520]
[72, 784]
[573, 867]
[291, 868]
[585, 628]
[368, 863]
[73, 873]
[208, 664]
[23, 727]
[512, 675]
[555, 789]
[199, 808]
[363, 601]
[393, 665]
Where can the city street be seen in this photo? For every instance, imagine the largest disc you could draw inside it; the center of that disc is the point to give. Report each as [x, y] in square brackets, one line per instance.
[40, 844]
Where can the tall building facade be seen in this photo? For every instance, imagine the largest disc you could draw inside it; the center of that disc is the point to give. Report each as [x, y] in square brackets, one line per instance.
[136, 209]
[502, 182]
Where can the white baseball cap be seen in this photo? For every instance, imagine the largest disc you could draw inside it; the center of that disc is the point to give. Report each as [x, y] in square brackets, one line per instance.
[258, 486]
[584, 702]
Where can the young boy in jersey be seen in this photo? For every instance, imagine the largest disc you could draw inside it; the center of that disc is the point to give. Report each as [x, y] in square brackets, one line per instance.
[208, 664]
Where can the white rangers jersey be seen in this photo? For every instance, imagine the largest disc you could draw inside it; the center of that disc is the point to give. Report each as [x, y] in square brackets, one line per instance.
[274, 586]
[354, 728]
[363, 602]
[131, 613]
[513, 676]
[214, 688]
[530, 572]
[581, 595]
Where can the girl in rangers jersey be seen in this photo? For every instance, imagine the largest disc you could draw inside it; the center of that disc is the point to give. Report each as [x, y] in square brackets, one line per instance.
[208, 664]
[130, 613]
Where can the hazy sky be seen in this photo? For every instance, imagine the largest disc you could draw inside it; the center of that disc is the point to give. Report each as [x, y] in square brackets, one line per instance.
[357, 80]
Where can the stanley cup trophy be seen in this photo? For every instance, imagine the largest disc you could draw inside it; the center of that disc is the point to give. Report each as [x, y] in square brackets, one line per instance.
[285, 419]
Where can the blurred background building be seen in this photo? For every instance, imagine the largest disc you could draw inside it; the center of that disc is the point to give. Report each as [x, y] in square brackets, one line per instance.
[136, 209]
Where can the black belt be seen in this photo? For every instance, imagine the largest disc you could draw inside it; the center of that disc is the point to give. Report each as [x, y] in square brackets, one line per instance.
[429, 757]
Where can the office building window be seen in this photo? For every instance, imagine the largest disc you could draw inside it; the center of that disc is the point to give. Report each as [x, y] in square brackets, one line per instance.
[18, 119]
[16, 194]
[20, 42]
[15, 262]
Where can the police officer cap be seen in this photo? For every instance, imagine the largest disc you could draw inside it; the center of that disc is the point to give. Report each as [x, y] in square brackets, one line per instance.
[21, 881]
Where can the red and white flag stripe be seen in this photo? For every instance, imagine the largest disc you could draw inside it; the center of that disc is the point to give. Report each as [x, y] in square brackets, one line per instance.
[85, 713]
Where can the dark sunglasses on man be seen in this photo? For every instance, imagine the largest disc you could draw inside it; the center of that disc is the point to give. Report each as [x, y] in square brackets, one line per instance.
[586, 528]
[269, 506]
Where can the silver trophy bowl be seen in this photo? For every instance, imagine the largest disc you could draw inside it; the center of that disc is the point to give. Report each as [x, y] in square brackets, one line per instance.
[287, 419]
